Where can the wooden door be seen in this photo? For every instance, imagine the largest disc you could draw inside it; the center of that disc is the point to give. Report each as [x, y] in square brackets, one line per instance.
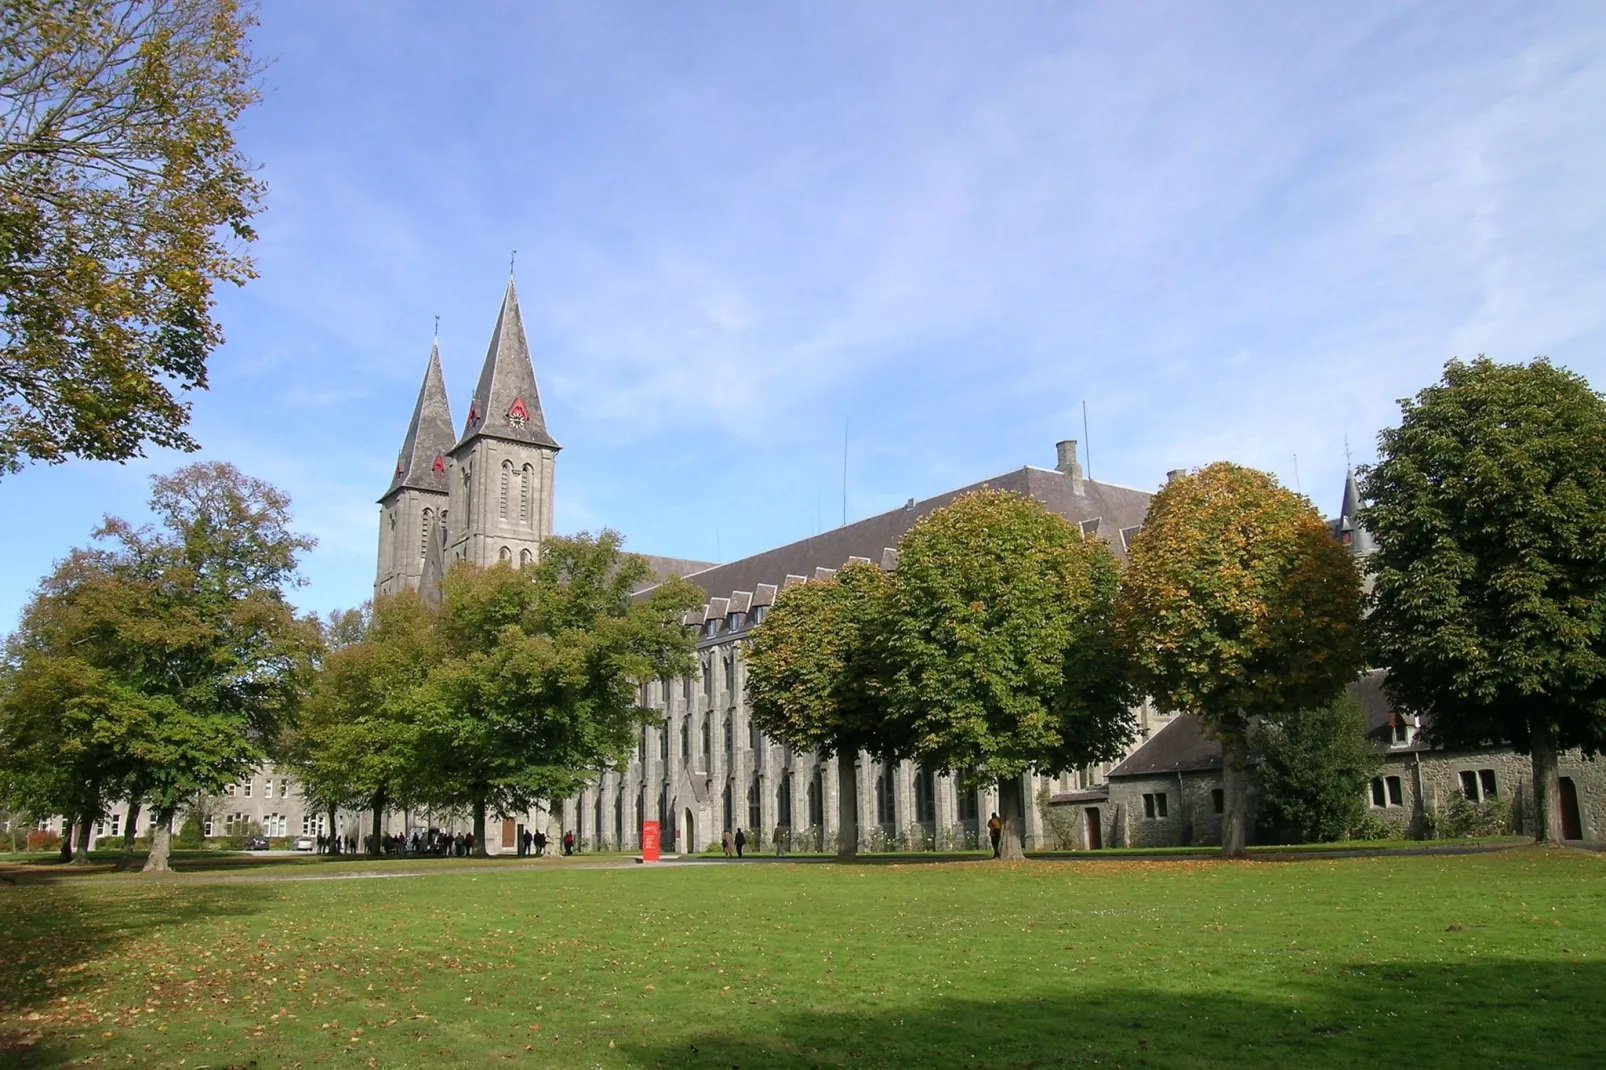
[508, 832]
[1571, 827]
[1095, 831]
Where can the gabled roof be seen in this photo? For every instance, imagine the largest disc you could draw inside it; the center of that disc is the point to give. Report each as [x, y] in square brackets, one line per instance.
[1179, 747]
[506, 403]
[875, 536]
[421, 464]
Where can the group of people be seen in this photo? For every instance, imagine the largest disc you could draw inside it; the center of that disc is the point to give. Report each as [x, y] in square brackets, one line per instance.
[537, 842]
[739, 841]
[334, 845]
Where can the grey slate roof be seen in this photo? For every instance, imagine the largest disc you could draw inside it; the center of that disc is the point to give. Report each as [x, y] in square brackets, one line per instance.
[1182, 746]
[422, 461]
[1360, 540]
[1179, 747]
[1098, 794]
[873, 536]
[506, 403]
[665, 567]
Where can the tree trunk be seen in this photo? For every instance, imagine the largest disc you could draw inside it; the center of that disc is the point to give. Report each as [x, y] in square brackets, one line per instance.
[1012, 812]
[161, 842]
[127, 858]
[379, 819]
[1547, 786]
[334, 844]
[68, 826]
[847, 806]
[81, 856]
[479, 828]
[1234, 763]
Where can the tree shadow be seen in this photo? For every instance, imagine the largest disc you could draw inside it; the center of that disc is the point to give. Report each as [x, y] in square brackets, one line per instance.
[49, 935]
[1489, 1014]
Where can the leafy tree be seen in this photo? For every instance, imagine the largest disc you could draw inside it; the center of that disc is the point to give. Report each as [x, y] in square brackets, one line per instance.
[171, 649]
[1314, 768]
[1237, 603]
[1002, 649]
[120, 176]
[354, 744]
[533, 688]
[1489, 601]
[813, 682]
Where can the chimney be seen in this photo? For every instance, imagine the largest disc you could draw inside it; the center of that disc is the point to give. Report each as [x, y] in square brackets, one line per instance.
[1175, 473]
[1069, 465]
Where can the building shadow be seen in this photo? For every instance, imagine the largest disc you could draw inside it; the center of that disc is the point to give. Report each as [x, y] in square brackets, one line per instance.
[48, 934]
[1490, 1014]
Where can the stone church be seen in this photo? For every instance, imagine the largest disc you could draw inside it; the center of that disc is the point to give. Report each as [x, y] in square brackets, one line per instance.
[485, 495]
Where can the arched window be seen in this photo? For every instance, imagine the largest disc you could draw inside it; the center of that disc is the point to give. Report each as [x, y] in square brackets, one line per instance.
[526, 489]
[755, 819]
[708, 745]
[783, 800]
[506, 554]
[423, 540]
[730, 740]
[526, 558]
[925, 795]
[817, 798]
[507, 477]
[685, 739]
[883, 800]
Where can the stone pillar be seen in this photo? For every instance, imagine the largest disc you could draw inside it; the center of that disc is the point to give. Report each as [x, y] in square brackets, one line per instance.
[828, 803]
[1036, 835]
[946, 800]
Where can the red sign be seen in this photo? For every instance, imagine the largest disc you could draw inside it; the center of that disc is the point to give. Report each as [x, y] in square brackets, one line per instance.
[649, 841]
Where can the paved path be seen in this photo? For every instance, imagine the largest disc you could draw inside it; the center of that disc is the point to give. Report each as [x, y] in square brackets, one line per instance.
[51, 875]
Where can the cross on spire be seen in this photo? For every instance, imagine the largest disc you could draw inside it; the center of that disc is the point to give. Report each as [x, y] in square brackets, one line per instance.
[511, 257]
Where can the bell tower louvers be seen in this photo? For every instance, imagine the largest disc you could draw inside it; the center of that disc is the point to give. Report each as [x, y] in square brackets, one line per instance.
[414, 505]
[502, 466]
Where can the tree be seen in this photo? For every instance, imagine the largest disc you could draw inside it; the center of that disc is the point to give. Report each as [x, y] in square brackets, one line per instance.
[120, 177]
[173, 650]
[1314, 767]
[1237, 603]
[354, 743]
[1489, 599]
[533, 689]
[813, 678]
[1001, 647]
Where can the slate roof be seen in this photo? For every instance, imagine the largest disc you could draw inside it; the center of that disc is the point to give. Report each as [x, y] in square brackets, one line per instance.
[1098, 794]
[1179, 747]
[665, 567]
[421, 464]
[506, 403]
[871, 537]
[1182, 746]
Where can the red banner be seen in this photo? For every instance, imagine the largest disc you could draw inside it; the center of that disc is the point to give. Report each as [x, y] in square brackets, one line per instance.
[649, 841]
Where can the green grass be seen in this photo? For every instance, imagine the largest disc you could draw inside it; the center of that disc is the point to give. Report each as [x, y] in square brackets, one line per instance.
[1479, 960]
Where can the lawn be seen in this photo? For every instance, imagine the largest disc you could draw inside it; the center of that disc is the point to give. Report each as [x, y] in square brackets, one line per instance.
[1477, 960]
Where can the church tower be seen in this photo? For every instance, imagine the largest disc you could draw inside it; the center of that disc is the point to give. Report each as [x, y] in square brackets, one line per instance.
[500, 471]
[415, 504]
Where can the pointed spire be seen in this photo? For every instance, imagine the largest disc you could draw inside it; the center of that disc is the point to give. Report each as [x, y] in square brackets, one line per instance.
[1350, 528]
[422, 461]
[506, 403]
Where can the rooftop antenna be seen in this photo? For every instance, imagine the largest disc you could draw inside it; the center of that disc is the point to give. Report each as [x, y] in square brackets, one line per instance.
[1087, 441]
[1297, 487]
[844, 471]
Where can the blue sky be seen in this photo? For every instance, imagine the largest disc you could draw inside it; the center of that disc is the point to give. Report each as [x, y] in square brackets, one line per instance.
[1237, 231]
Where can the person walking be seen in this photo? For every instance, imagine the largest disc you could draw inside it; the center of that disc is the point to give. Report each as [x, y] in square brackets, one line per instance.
[780, 842]
[540, 844]
[725, 842]
[741, 841]
[995, 832]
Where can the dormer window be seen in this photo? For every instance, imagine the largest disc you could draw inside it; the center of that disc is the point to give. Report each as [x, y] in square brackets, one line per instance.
[733, 621]
[1400, 731]
[758, 614]
[711, 627]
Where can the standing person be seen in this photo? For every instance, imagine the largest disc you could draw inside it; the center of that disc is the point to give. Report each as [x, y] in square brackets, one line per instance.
[995, 832]
[741, 841]
[568, 842]
[524, 843]
[540, 844]
[725, 842]
[780, 842]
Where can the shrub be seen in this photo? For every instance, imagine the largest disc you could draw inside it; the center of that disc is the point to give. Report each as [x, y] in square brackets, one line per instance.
[189, 834]
[1462, 817]
[1372, 827]
[1314, 766]
[44, 841]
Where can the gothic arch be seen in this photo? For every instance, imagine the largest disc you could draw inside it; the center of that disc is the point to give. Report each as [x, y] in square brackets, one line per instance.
[423, 539]
[507, 477]
[525, 558]
[526, 489]
[505, 554]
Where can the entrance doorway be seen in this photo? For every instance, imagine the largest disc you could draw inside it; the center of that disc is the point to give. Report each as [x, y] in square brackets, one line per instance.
[690, 832]
[507, 832]
[1572, 828]
[1095, 830]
